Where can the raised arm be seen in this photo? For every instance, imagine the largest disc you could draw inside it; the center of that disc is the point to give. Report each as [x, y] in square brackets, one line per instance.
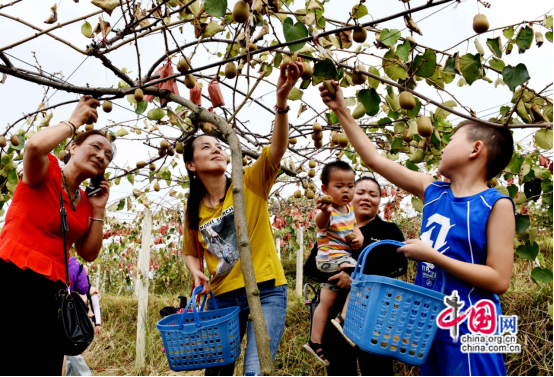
[287, 79]
[413, 182]
[35, 158]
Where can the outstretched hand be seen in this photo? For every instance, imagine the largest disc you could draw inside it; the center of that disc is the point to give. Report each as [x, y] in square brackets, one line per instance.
[333, 103]
[86, 108]
[288, 77]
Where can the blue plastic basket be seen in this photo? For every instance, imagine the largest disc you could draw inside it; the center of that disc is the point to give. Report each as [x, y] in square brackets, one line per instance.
[194, 340]
[389, 317]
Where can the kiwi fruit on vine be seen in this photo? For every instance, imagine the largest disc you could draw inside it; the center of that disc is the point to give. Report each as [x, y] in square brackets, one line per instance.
[480, 23]
[330, 88]
[171, 152]
[317, 136]
[308, 71]
[156, 186]
[62, 154]
[252, 46]
[190, 81]
[407, 101]
[316, 127]
[183, 65]
[297, 194]
[343, 140]
[327, 200]
[152, 166]
[310, 194]
[311, 164]
[293, 141]
[139, 95]
[231, 70]
[241, 11]
[164, 144]
[162, 152]
[89, 127]
[351, 237]
[359, 35]
[180, 148]
[141, 164]
[405, 136]
[305, 184]
[334, 137]
[357, 77]
[424, 126]
[244, 161]
[15, 140]
[207, 128]
[287, 59]
[311, 173]
[318, 144]
[312, 186]
[107, 106]
[2, 141]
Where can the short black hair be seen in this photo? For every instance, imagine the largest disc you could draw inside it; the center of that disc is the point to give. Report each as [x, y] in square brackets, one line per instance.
[498, 140]
[331, 167]
[366, 178]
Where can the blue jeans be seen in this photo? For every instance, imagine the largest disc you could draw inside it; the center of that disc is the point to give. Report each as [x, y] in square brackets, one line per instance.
[274, 306]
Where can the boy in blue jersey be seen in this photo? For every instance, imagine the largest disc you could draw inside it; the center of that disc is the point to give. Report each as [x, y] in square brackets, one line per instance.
[467, 229]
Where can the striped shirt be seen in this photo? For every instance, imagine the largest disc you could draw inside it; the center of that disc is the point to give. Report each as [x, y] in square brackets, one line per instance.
[332, 241]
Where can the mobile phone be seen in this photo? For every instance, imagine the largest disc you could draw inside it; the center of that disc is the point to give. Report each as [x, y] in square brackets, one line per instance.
[94, 185]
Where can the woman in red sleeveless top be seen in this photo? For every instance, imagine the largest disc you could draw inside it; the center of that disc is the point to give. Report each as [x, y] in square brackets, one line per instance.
[32, 267]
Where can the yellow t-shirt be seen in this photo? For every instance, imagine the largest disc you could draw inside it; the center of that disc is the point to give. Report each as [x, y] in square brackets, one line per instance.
[218, 236]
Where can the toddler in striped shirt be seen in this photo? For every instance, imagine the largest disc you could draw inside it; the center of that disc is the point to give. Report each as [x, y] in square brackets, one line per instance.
[337, 236]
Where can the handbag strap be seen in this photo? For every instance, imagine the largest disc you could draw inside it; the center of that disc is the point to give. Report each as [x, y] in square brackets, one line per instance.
[65, 228]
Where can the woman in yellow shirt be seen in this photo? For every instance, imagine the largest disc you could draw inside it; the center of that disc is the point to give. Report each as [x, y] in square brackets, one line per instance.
[209, 218]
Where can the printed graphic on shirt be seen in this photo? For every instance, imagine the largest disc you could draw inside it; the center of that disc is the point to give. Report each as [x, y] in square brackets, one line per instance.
[436, 238]
[221, 240]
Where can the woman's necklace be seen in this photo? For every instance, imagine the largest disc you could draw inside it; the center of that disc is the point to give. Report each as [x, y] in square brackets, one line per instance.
[67, 190]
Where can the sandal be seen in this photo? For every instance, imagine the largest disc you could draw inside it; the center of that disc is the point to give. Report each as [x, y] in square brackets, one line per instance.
[320, 355]
[339, 324]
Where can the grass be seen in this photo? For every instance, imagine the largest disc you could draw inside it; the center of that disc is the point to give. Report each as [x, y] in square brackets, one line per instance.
[114, 352]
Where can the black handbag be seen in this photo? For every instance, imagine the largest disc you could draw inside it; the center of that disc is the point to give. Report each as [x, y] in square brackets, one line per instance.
[75, 327]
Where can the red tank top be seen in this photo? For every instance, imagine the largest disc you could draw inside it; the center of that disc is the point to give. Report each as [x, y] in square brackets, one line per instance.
[32, 234]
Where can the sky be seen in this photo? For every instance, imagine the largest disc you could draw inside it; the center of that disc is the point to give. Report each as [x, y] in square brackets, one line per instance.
[441, 31]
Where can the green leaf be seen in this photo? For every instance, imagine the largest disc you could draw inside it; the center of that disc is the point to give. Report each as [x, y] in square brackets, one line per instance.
[12, 177]
[121, 132]
[478, 46]
[443, 114]
[288, 229]
[121, 204]
[515, 163]
[370, 99]
[411, 166]
[295, 94]
[155, 114]
[413, 113]
[528, 251]
[293, 32]
[397, 143]
[417, 204]
[418, 156]
[394, 70]
[326, 69]
[86, 30]
[509, 32]
[403, 50]
[212, 29]
[427, 61]
[216, 8]
[358, 11]
[522, 223]
[532, 189]
[544, 275]
[289, 221]
[141, 107]
[495, 45]
[543, 138]
[470, 66]
[278, 60]
[548, 22]
[512, 190]
[548, 35]
[503, 190]
[389, 37]
[21, 143]
[131, 178]
[497, 64]
[373, 83]
[524, 38]
[513, 77]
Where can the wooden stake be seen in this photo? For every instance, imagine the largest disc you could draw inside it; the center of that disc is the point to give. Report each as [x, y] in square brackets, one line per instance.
[142, 288]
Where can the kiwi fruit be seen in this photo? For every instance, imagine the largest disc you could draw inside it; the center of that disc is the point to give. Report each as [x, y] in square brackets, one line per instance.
[2, 141]
[287, 59]
[107, 106]
[207, 128]
[334, 137]
[231, 70]
[357, 77]
[351, 237]
[89, 127]
[297, 194]
[312, 186]
[139, 95]
[310, 194]
[317, 136]
[327, 200]
[241, 11]
[252, 46]
[359, 35]
[292, 141]
[343, 140]
[407, 101]
[308, 71]
[190, 81]
[424, 126]
[311, 173]
[62, 154]
[480, 23]
[318, 144]
[164, 144]
[171, 152]
[228, 159]
[179, 148]
[141, 164]
[152, 166]
[405, 136]
[244, 161]
[184, 65]
[330, 88]
[156, 186]
[311, 164]
[316, 127]
[162, 152]
[15, 140]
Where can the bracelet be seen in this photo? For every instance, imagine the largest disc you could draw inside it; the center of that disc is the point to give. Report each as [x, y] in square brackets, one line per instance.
[71, 125]
[92, 218]
[280, 110]
[98, 324]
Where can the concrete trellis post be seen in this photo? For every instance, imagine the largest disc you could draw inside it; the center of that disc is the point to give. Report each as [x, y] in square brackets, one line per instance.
[299, 260]
[142, 287]
[278, 246]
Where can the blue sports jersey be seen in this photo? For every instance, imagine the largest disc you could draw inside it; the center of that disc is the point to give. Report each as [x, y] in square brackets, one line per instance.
[456, 228]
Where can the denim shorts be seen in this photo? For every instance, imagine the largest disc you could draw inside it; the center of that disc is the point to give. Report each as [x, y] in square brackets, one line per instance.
[333, 266]
[274, 306]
